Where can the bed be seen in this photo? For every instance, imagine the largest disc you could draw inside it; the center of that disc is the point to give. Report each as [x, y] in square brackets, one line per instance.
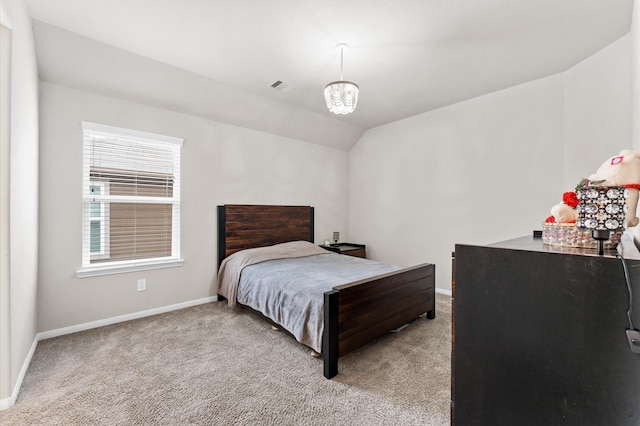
[352, 313]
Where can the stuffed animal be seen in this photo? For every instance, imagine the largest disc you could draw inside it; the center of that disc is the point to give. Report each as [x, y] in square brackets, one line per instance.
[563, 213]
[622, 170]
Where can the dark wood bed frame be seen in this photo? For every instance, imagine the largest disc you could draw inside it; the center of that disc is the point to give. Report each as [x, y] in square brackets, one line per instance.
[354, 313]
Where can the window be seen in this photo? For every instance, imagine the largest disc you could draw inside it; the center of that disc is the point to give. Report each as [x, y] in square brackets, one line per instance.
[99, 223]
[131, 197]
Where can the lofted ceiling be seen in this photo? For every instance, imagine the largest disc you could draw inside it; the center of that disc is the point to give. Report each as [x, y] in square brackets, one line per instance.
[218, 58]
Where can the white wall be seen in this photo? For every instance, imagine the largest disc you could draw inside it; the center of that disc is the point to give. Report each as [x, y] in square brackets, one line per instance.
[221, 164]
[475, 172]
[597, 110]
[635, 75]
[635, 93]
[5, 258]
[490, 168]
[23, 199]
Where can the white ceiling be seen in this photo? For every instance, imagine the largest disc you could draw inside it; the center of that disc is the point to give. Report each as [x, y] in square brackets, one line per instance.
[218, 58]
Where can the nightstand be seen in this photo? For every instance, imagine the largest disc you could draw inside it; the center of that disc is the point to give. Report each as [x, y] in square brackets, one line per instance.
[357, 250]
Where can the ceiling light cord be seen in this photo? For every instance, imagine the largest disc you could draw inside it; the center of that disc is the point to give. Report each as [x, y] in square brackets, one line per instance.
[341, 62]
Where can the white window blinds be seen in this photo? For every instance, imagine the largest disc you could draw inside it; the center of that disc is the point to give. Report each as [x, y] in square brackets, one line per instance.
[131, 193]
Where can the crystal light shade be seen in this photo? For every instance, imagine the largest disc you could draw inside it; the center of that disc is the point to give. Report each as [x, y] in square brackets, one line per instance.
[341, 96]
[602, 209]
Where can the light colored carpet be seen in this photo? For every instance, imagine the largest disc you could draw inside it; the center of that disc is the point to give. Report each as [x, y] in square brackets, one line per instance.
[212, 365]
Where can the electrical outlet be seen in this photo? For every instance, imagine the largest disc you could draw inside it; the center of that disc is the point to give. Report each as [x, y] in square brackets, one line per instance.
[634, 341]
[142, 284]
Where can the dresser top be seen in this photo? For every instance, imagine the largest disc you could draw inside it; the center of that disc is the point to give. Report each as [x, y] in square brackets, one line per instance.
[626, 248]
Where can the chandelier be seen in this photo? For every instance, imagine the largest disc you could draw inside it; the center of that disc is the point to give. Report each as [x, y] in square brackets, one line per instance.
[341, 96]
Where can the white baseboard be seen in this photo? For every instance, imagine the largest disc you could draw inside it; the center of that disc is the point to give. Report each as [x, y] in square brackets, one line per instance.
[10, 402]
[122, 318]
[445, 292]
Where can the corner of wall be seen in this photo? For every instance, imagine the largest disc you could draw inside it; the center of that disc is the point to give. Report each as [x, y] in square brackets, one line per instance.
[11, 399]
[23, 187]
[5, 275]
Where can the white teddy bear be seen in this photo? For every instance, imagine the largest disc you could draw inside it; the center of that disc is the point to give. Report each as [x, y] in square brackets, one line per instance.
[622, 170]
[564, 213]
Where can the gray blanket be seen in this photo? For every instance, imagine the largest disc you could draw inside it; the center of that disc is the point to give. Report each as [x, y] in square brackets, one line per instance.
[232, 266]
[291, 291]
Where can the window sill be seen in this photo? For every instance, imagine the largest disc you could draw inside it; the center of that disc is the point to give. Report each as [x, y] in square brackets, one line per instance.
[143, 265]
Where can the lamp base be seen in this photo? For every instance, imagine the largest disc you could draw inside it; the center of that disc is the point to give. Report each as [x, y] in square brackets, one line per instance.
[601, 235]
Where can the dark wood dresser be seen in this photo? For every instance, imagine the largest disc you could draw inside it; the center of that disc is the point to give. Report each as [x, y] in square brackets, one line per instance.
[540, 336]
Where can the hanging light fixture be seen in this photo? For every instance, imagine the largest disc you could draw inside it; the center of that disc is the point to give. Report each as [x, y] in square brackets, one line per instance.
[341, 96]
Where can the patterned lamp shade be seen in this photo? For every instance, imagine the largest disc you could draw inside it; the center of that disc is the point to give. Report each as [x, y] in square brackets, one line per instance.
[602, 209]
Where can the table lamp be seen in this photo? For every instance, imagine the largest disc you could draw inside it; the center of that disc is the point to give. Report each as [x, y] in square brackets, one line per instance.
[602, 209]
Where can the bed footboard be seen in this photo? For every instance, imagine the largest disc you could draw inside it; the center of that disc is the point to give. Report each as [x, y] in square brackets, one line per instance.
[358, 312]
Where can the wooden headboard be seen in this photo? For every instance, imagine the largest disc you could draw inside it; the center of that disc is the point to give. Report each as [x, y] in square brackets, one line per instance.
[242, 226]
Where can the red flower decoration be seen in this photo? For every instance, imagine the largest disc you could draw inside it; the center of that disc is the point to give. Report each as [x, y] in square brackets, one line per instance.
[570, 199]
[550, 219]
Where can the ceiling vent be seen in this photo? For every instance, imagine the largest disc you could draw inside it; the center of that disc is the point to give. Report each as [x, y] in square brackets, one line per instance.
[283, 87]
